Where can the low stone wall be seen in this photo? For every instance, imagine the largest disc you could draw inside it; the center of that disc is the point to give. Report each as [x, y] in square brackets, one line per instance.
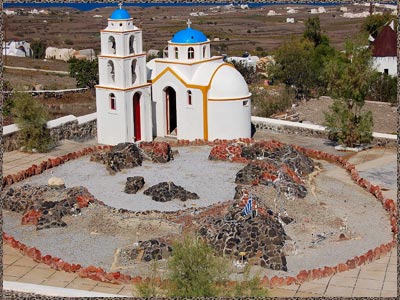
[65, 128]
[311, 130]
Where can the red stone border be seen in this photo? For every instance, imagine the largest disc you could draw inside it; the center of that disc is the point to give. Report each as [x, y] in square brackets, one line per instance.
[99, 274]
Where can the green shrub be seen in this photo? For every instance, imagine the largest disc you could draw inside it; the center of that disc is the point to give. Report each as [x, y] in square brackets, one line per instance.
[194, 270]
[268, 102]
[31, 118]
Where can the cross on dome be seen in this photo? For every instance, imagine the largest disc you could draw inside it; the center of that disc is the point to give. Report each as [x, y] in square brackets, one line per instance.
[120, 5]
[188, 23]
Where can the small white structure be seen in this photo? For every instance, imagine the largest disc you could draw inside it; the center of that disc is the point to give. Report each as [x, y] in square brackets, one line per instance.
[250, 61]
[350, 15]
[187, 94]
[14, 48]
[343, 9]
[9, 12]
[384, 51]
[59, 53]
[291, 11]
[272, 13]
[290, 20]
[87, 54]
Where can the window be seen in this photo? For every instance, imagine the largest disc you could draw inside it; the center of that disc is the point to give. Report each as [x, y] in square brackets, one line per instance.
[131, 44]
[190, 53]
[111, 45]
[386, 71]
[189, 97]
[204, 51]
[246, 103]
[111, 71]
[176, 53]
[133, 71]
[112, 102]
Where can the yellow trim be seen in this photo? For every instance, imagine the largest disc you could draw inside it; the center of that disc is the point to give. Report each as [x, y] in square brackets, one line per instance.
[124, 57]
[188, 63]
[204, 89]
[118, 31]
[229, 99]
[121, 89]
[195, 44]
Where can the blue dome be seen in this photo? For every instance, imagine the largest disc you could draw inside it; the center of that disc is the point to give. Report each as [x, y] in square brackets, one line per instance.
[189, 36]
[120, 14]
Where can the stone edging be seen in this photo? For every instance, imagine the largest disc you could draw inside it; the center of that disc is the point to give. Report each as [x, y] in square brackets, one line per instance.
[99, 274]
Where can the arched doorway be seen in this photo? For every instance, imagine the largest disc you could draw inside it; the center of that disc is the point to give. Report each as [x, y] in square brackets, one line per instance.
[136, 117]
[170, 100]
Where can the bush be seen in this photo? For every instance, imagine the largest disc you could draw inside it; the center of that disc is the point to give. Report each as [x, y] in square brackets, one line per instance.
[268, 102]
[194, 270]
[383, 88]
[68, 42]
[31, 118]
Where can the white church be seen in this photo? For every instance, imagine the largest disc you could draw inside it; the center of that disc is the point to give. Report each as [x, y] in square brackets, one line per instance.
[188, 94]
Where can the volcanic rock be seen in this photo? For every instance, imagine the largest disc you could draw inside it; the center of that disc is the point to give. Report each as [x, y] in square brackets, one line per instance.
[56, 182]
[231, 233]
[166, 191]
[121, 156]
[133, 184]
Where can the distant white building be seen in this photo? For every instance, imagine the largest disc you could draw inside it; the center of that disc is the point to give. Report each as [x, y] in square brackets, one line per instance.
[59, 53]
[384, 51]
[14, 48]
[290, 20]
[250, 61]
[188, 94]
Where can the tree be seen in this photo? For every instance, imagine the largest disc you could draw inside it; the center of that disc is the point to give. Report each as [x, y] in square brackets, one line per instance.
[248, 72]
[313, 31]
[294, 66]
[373, 23]
[345, 121]
[383, 88]
[31, 118]
[85, 72]
[194, 270]
[38, 48]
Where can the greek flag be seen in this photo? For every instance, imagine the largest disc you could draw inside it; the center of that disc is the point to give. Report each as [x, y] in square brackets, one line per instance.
[248, 208]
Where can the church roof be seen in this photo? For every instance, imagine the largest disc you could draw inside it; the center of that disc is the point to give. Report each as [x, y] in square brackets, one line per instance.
[120, 14]
[189, 36]
[385, 43]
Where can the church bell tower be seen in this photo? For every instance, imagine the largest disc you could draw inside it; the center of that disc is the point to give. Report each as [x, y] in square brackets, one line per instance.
[123, 96]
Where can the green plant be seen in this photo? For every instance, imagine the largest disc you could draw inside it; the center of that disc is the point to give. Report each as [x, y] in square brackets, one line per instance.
[31, 118]
[383, 88]
[84, 71]
[38, 48]
[194, 270]
[68, 42]
[151, 286]
[250, 286]
[249, 73]
[267, 102]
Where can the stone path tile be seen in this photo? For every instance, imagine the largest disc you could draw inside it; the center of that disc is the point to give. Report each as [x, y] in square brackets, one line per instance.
[306, 294]
[390, 286]
[278, 292]
[388, 294]
[391, 276]
[126, 291]
[25, 262]
[17, 271]
[39, 273]
[108, 290]
[351, 273]
[376, 275]
[338, 291]
[292, 287]
[311, 287]
[341, 281]
[63, 276]
[56, 283]
[9, 259]
[372, 284]
[366, 293]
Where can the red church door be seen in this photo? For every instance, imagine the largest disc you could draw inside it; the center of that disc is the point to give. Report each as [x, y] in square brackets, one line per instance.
[136, 117]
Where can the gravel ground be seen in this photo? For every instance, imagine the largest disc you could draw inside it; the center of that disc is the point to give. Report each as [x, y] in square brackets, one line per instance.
[93, 237]
[191, 169]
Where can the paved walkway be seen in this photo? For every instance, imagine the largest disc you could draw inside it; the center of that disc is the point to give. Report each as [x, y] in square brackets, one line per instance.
[377, 279]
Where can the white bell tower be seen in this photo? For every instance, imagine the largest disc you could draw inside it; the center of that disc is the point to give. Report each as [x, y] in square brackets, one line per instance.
[123, 96]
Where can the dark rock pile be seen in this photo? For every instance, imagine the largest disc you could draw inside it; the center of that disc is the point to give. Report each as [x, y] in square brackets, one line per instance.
[133, 184]
[261, 237]
[270, 162]
[121, 156]
[166, 191]
[149, 250]
[159, 152]
[44, 206]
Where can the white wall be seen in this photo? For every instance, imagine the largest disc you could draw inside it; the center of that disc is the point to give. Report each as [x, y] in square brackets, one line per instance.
[382, 63]
[229, 119]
